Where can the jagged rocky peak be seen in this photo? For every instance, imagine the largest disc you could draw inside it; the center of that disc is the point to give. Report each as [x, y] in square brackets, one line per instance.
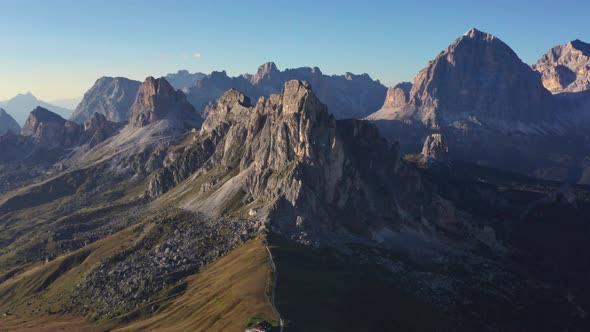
[109, 96]
[290, 152]
[479, 76]
[435, 148]
[580, 46]
[41, 117]
[267, 71]
[7, 123]
[158, 100]
[231, 107]
[51, 131]
[473, 33]
[566, 68]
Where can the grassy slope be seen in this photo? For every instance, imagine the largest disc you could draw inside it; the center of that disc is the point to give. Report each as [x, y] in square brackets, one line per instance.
[220, 298]
[34, 297]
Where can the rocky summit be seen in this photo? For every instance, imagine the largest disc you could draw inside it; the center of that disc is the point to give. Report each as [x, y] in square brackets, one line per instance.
[51, 131]
[566, 68]
[492, 110]
[478, 76]
[157, 100]
[110, 96]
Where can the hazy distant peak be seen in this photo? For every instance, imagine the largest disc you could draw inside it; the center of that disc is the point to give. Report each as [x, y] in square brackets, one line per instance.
[184, 79]
[267, 68]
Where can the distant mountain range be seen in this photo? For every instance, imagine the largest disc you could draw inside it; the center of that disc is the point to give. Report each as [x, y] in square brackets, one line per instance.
[183, 80]
[22, 104]
[347, 96]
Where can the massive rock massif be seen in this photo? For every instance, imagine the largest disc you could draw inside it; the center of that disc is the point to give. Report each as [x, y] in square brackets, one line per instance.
[51, 131]
[566, 68]
[348, 96]
[158, 100]
[477, 78]
[492, 109]
[110, 96]
[295, 166]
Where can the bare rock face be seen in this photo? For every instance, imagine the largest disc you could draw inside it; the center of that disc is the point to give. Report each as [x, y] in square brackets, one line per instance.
[111, 97]
[492, 109]
[477, 76]
[435, 148]
[98, 128]
[566, 68]
[229, 109]
[398, 96]
[347, 96]
[7, 123]
[289, 157]
[158, 100]
[49, 130]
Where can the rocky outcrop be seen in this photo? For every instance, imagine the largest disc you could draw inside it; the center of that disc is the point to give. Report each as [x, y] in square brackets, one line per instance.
[347, 96]
[435, 148]
[110, 96]
[566, 68]
[158, 100]
[7, 123]
[98, 128]
[49, 130]
[398, 96]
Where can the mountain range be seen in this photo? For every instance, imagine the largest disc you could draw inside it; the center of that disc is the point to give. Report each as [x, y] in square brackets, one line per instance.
[327, 203]
[493, 110]
[20, 105]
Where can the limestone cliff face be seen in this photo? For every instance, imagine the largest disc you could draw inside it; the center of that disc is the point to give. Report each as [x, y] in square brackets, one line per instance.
[398, 96]
[294, 166]
[435, 148]
[477, 76]
[158, 100]
[566, 68]
[51, 131]
[492, 109]
[110, 96]
[7, 123]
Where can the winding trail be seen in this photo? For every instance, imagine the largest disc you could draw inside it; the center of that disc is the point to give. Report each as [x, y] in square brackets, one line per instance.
[274, 287]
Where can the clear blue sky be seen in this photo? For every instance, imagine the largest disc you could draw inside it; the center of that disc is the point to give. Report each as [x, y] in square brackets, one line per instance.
[57, 49]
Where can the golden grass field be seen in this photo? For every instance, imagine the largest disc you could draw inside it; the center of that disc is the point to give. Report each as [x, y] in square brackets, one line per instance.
[221, 297]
